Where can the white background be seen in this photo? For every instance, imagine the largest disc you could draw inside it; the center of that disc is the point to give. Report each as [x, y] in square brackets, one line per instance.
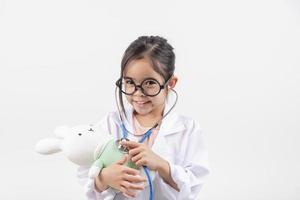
[238, 64]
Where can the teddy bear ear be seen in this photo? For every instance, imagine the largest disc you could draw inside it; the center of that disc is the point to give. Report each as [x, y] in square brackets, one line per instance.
[62, 131]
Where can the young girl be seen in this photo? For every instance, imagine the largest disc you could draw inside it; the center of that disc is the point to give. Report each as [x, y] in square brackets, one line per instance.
[174, 150]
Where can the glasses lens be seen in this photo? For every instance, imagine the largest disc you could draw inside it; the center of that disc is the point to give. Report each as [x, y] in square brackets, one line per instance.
[128, 86]
[151, 87]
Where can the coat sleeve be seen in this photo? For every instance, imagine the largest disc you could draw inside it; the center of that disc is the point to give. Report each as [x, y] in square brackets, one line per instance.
[107, 125]
[191, 173]
[89, 186]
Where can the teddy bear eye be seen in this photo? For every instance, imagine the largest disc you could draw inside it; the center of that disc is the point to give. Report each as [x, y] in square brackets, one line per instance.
[79, 134]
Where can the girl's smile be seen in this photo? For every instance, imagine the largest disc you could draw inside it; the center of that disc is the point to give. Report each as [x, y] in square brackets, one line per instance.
[141, 103]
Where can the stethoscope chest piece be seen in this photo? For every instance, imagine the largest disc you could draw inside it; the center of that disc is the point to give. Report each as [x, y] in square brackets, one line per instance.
[122, 148]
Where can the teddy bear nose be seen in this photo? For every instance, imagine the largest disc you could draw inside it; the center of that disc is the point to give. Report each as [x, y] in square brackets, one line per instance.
[91, 129]
[79, 134]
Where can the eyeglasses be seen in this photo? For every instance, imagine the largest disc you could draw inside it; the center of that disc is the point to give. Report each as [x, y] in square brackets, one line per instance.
[149, 86]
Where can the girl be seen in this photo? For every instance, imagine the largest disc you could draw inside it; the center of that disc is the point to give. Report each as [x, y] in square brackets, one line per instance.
[174, 150]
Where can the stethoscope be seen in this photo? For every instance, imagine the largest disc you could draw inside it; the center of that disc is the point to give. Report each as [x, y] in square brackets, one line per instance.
[144, 136]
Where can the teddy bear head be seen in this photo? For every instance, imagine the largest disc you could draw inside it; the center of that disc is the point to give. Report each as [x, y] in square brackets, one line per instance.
[80, 143]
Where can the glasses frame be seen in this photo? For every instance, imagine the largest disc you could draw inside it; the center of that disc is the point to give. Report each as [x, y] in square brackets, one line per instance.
[161, 87]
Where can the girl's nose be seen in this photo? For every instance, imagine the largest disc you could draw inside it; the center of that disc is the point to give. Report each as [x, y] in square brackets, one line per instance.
[139, 92]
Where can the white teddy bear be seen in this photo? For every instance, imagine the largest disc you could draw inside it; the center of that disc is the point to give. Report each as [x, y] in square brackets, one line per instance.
[85, 145]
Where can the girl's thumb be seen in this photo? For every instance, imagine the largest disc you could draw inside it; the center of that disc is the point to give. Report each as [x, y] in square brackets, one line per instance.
[122, 160]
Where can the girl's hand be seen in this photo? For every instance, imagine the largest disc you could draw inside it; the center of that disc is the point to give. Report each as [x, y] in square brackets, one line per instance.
[122, 178]
[142, 155]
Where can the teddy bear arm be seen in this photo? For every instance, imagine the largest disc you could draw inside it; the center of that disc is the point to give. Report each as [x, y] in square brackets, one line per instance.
[98, 163]
[95, 168]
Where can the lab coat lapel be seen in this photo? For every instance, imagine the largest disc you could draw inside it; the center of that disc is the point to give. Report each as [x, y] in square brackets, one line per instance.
[171, 124]
[128, 122]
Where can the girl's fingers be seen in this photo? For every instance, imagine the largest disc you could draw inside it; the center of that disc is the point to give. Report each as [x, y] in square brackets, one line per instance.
[122, 160]
[132, 186]
[131, 171]
[122, 189]
[136, 186]
[126, 192]
[136, 157]
[131, 144]
[128, 195]
[135, 179]
[133, 152]
[141, 162]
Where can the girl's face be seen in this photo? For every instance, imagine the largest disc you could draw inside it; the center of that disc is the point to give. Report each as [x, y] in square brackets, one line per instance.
[139, 70]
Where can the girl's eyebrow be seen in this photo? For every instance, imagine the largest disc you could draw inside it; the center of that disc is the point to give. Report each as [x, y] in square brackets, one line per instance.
[127, 77]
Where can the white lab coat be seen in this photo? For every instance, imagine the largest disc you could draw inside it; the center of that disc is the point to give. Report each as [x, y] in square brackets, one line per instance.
[179, 141]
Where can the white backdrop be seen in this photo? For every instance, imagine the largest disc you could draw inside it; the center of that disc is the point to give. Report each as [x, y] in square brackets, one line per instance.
[238, 64]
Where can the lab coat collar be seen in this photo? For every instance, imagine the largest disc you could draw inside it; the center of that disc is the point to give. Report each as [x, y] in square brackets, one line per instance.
[170, 124]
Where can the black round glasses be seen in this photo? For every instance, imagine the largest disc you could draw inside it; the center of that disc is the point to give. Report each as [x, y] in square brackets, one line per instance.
[149, 86]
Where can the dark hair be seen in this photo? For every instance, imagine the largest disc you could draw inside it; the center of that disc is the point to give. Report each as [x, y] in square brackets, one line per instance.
[154, 48]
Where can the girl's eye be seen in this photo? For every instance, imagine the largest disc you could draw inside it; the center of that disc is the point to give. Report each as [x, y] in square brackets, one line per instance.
[150, 82]
[129, 82]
